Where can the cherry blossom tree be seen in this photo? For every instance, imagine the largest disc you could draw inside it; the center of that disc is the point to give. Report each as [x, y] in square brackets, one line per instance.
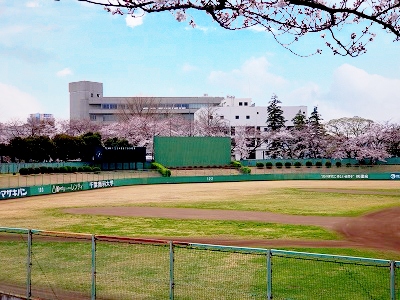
[371, 145]
[393, 139]
[209, 123]
[45, 127]
[78, 127]
[240, 143]
[344, 27]
[348, 127]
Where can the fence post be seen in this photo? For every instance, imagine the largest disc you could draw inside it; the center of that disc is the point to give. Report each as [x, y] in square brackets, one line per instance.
[29, 267]
[392, 280]
[171, 270]
[93, 291]
[269, 274]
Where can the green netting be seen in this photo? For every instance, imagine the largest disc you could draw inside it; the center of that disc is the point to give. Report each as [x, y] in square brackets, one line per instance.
[61, 268]
[132, 271]
[201, 274]
[13, 267]
[309, 278]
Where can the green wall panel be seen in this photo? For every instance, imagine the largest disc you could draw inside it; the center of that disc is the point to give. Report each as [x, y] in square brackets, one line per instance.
[192, 151]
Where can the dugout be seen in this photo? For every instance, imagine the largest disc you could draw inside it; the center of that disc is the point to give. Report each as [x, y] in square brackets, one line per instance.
[173, 152]
[120, 158]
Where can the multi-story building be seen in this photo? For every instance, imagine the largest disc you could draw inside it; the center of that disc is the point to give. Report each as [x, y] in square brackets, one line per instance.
[88, 103]
[241, 112]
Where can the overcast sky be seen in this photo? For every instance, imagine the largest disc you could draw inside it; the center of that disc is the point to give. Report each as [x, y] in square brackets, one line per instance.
[46, 44]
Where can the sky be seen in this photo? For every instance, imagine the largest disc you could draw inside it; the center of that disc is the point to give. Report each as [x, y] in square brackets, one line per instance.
[46, 44]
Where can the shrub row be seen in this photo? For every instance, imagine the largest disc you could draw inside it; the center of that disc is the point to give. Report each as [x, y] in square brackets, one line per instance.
[161, 169]
[298, 164]
[48, 170]
[245, 170]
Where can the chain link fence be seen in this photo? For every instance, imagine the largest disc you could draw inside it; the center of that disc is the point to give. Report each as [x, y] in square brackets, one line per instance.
[54, 265]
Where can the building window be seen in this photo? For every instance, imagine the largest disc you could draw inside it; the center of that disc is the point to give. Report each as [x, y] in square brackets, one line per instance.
[258, 127]
[247, 117]
[98, 95]
[237, 117]
[245, 104]
[210, 117]
[221, 117]
[91, 95]
[265, 128]
[92, 117]
[240, 103]
[257, 113]
[109, 106]
[108, 118]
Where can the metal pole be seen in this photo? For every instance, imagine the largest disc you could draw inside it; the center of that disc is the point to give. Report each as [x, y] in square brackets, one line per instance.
[171, 271]
[392, 280]
[29, 267]
[93, 292]
[269, 275]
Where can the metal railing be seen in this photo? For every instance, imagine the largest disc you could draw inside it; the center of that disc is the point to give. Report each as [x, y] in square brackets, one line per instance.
[57, 265]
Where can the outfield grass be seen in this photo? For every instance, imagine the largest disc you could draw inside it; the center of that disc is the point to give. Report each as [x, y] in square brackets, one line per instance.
[126, 271]
[296, 201]
[289, 197]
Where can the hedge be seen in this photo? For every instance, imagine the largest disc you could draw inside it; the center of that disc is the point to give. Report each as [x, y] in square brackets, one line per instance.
[161, 169]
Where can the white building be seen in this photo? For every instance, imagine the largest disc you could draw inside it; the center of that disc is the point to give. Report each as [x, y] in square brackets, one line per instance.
[87, 102]
[241, 112]
[38, 117]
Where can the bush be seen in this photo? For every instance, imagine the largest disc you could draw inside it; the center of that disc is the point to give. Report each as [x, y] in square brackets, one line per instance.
[74, 169]
[297, 164]
[259, 165]
[62, 170]
[96, 169]
[338, 164]
[348, 165]
[279, 165]
[288, 165]
[245, 170]
[80, 169]
[328, 164]
[318, 164]
[50, 170]
[36, 170]
[43, 169]
[268, 165]
[23, 171]
[236, 164]
[31, 171]
[87, 169]
[161, 169]
[69, 169]
[308, 164]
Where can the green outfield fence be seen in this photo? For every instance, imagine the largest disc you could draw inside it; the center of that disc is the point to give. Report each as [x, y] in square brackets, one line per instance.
[36, 264]
[34, 185]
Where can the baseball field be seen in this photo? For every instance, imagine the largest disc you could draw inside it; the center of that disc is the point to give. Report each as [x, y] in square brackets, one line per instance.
[355, 218]
[359, 215]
